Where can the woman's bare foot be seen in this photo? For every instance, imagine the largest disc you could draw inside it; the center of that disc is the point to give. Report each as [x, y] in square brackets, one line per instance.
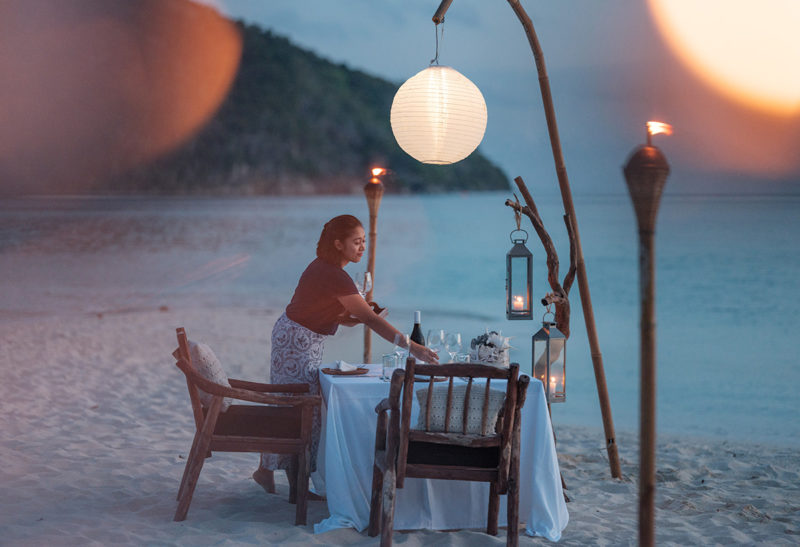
[265, 478]
[315, 497]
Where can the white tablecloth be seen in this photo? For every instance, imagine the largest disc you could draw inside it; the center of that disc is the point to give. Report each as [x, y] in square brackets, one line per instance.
[344, 468]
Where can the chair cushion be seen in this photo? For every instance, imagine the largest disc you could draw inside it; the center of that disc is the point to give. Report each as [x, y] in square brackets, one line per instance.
[474, 408]
[208, 366]
[259, 421]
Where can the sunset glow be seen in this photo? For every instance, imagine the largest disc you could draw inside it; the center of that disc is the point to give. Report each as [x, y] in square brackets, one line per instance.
[746, 50]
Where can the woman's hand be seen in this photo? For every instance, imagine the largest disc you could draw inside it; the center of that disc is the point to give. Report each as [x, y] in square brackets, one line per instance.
[424, 354]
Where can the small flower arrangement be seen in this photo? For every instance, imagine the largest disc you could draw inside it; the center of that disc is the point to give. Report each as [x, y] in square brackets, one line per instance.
[491, 347]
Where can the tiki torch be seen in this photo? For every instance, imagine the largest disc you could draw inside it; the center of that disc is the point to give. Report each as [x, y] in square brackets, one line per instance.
[373, 191]
[645, 173]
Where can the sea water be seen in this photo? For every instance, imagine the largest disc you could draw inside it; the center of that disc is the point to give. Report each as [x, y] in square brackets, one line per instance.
[726, 284]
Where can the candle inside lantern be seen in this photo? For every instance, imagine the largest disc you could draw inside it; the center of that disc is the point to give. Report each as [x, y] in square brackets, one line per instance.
[517, 303]
[552, 386]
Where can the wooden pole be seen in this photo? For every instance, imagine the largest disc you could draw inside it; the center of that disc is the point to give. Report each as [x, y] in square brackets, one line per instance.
[569, 209]
[645, 173]
[373, 191]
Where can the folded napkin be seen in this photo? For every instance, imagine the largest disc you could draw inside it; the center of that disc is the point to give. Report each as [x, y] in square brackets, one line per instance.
[345, 367]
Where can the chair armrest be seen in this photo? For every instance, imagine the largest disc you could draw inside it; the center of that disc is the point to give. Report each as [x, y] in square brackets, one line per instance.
[272, 388]
[246, 394]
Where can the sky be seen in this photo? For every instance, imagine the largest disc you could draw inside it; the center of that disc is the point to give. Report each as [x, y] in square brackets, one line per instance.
[610, 66]
[92, 87]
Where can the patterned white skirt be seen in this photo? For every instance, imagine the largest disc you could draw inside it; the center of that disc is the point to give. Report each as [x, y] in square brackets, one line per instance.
[296, 356]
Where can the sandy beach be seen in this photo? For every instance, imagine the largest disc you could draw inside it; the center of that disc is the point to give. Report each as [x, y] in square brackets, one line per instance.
[96, 425]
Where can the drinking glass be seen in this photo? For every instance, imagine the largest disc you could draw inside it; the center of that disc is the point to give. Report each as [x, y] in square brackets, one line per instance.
[452, 343]
[389, 363]
[401, 350]
[363, 281]
[436, 341]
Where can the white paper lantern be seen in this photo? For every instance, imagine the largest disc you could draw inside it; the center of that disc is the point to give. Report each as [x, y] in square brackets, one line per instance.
[438, 116]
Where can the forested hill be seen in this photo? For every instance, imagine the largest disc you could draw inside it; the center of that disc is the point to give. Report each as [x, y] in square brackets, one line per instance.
[295, 123]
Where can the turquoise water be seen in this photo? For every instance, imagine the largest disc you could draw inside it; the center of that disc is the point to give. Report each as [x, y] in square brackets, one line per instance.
[727, 291]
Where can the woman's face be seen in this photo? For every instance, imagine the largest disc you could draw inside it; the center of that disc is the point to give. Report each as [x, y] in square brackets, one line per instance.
[353, 246]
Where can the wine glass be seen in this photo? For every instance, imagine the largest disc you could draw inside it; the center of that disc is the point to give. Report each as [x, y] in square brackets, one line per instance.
[401, 350]
[452, 343]
[363, 281]
[436, 340]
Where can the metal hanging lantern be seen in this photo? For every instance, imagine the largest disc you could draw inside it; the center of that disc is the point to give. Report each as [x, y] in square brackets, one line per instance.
[519, 277]
[550, 360]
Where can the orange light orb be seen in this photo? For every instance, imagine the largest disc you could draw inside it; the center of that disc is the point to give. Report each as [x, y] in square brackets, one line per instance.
[746, 50]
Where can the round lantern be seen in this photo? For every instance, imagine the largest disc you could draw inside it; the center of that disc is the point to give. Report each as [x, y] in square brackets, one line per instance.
[438, 116]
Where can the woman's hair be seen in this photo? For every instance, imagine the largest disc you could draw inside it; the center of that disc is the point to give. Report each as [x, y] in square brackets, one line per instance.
[336, 228]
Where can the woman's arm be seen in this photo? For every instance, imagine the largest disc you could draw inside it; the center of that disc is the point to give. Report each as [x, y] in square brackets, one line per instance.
[358, 308]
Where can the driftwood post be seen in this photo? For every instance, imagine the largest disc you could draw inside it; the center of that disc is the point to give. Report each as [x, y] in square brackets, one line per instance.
[645, 173]
[569, 209]
[373, 191]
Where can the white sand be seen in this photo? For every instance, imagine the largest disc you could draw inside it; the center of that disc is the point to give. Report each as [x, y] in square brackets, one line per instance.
[95, 425]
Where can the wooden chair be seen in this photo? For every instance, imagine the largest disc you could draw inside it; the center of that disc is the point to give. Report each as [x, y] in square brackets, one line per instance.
[401, 450]
[283, 427]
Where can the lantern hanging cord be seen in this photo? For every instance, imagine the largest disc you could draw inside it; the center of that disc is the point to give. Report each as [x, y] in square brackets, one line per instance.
[436, 35]
[517, 214]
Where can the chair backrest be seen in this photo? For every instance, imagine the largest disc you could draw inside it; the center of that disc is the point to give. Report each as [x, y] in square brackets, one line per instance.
[194, 395]
[456, 400]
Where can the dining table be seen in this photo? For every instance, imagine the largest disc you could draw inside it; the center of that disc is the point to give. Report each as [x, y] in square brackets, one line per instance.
[345, 458]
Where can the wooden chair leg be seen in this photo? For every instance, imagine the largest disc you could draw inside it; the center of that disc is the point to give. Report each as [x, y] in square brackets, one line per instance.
[512, 539]
[196, 459]
[375, 504]
[378, 461]
[291, 475]
[303, 466]
[387, 513]
[494, 509]
[186, 467]
[192, 472]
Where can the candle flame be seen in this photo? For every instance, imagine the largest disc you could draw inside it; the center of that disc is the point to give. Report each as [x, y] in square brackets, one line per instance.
[659, 128]
[378, 171]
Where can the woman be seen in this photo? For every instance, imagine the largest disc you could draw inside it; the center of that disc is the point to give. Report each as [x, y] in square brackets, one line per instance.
[325, 298]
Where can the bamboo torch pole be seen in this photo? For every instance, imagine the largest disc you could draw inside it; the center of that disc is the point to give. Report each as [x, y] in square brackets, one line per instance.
[373, 191]
[645, 174]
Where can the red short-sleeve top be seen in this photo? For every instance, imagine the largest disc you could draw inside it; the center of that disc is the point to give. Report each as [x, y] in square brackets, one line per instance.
[315, 303]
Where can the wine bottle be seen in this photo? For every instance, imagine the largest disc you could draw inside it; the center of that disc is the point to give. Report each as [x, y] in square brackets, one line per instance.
[416, 332]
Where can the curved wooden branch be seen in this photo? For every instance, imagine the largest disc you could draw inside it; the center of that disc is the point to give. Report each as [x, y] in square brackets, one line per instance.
[559, 296]
[573, 255]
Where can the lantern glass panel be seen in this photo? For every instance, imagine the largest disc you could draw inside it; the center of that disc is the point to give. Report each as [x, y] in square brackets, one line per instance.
[556, 388]
[518, 285]
[540, 351]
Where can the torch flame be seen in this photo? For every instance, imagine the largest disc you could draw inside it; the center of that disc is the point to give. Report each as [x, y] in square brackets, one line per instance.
[378, 171]
[657, 128]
